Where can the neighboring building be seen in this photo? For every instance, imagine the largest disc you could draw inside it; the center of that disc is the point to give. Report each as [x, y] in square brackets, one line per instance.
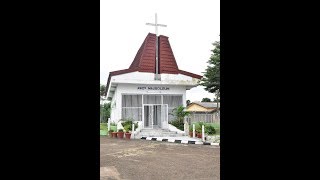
[139, 93]
[204, 111]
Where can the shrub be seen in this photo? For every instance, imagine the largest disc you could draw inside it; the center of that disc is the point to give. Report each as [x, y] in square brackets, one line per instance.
[179, 114]
[199, 129]
[127, 128]
[210, 130]
[200, 124]
[127, 125]
[197, 126]
[111, 130]
[178, 124]
[120, 130]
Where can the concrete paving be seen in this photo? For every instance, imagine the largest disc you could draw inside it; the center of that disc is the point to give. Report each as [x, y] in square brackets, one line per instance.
[145, 160]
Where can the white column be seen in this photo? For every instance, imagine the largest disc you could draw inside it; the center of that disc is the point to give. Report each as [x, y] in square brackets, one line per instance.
[109, 124]
[193, 131]
[186, 127]
[203, 133]
[132, 133]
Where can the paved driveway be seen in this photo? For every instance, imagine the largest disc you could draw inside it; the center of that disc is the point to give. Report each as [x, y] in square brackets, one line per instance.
[152, 160]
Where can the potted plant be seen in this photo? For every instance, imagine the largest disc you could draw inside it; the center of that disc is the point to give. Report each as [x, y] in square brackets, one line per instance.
[110, 132]
[199, 135]
[128, 135]
[120, 133]
[128, 129]
[190, 131]
[127, 125]
[199, 129]
[199, 132]
[114, 134]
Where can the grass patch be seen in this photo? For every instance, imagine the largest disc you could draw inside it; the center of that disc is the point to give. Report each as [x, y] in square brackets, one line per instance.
[104, 126]
[215, 125]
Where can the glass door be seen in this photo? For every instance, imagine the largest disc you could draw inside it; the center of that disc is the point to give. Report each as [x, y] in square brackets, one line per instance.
[164, 116]
[148, 116]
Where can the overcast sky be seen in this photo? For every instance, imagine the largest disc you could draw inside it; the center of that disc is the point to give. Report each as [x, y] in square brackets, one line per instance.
[192, 27]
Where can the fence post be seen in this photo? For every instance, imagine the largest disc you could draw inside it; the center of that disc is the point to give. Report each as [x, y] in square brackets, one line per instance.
[203, 133]
[108, 124]
[186, 126]
[193, 131]
[132, 133]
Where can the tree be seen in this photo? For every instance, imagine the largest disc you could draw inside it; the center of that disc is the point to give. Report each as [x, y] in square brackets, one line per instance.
[102, 90]
[206, 100]
[179, 114]
[211, 78]
[188, 102]
[104, 108]
[105, 112]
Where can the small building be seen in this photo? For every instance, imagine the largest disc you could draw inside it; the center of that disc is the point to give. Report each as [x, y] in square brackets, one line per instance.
[151, 87]
[204, 112]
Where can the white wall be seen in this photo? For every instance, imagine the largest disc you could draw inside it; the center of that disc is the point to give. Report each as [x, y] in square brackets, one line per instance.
[133, 89]
[128, 84]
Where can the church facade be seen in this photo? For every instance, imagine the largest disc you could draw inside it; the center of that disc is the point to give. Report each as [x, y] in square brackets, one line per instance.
[151, 87]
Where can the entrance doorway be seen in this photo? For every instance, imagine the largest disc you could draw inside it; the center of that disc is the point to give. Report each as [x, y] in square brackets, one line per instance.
[155, 116]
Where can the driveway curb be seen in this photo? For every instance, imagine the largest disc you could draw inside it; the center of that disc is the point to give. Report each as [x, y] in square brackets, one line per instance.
[179, 141]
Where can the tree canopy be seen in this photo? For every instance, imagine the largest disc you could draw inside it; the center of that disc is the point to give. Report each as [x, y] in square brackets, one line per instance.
[102, 90]
[206, 100]
[211, 78]
[105, 110]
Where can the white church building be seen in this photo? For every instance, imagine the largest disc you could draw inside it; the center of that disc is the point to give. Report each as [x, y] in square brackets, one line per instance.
[151, 87]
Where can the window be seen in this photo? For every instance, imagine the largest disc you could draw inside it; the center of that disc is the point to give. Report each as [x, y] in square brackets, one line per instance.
[132, 107]
[152, 99]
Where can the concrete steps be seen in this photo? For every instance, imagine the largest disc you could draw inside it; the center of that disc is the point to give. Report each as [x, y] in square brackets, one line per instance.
[156, 133]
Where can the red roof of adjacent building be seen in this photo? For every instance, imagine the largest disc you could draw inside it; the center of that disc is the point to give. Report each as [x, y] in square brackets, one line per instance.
[145, 59]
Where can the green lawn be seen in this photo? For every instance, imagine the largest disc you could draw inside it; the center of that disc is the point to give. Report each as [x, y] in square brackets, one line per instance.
[104, 128]
[215, 125]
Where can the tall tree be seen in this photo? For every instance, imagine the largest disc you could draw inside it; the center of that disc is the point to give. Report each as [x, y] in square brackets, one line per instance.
[206, 100]
[105, 110]
[102, 90]
[211, 78]
[188, 102]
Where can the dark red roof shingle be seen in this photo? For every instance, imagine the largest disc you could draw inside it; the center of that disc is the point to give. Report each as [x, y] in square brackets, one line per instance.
[145, 59]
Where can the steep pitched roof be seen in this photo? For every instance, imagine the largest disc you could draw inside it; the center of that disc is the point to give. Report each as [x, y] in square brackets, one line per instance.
[145, 59]
[167, 62]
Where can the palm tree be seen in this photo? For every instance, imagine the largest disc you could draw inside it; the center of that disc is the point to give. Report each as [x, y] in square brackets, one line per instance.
[179, 112]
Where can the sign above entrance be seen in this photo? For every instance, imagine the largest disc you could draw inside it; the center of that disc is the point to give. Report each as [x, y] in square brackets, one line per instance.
[153, 88]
